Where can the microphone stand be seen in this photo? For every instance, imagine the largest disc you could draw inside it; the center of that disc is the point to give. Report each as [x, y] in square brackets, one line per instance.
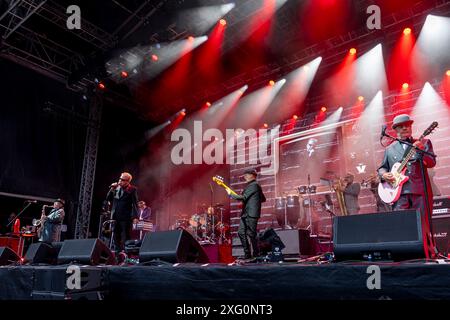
[428, 210]
[18, 215]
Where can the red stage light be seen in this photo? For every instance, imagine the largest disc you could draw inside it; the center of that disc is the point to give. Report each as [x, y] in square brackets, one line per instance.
[101, 86]
[223, 22]
[352, 51]
[182, 113]
[124, 74]
[208, 104]
[154, 57]
[448, 73]
[271, 83]
[405, 85]
[191, 38]
[295, 117]
[323, 109]
[406, 31]
[266, 125]
[361, 98]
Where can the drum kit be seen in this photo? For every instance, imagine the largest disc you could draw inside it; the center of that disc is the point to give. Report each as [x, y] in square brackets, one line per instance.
[206, 225]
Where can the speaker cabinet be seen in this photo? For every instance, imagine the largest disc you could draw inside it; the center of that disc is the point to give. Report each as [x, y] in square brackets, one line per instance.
[41, 252]
[379, 236]
[8, 256]
[85, 251]
[441, 232]
[177, 246]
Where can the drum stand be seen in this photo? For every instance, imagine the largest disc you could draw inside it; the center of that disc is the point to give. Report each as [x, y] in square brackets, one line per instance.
[308, 193]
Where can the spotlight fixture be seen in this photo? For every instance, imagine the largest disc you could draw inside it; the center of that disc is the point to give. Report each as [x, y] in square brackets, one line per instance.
[223, 22]
[154, 57]
[271, 83]
[295, 117]
[101, 86]
[448, 73]
[360, 98]
[265, 125]
[208, 104]
[323, 109]
[124, 74]
[352, 51]
[405, 85]
[406, 31]
[191, 38]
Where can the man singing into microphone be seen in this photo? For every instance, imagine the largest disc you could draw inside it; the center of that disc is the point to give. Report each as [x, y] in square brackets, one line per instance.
[412, 195]
[124, 199]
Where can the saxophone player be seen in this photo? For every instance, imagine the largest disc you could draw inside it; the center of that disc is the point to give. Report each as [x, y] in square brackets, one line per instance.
[350, 191]
[50, 228]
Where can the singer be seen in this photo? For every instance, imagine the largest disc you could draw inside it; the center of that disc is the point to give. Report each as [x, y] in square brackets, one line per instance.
[124, 199]
[412, 194]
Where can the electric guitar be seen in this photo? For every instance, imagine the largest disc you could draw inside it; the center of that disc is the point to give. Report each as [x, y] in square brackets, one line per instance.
[219, 180]
[389, 192]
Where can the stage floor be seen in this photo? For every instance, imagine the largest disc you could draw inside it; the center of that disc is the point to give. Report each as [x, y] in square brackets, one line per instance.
[287, 281]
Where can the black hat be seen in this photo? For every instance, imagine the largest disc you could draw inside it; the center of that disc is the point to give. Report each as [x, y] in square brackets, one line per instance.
[251, 171]
[61, 201]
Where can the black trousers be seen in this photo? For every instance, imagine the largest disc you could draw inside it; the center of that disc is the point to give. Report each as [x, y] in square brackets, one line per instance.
[122, 230]
[248, 230]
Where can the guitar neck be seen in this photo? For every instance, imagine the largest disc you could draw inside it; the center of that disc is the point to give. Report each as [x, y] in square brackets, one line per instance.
[408, 157]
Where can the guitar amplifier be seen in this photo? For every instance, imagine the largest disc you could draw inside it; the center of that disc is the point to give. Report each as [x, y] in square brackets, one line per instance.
[441, 206]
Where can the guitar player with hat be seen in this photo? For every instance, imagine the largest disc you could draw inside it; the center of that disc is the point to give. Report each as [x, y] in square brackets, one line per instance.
[412, 193]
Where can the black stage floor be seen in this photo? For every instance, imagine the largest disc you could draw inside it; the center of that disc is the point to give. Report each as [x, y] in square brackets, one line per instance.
[334, 281]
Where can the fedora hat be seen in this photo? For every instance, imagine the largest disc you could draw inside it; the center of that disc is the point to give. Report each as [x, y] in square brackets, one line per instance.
[401, 119]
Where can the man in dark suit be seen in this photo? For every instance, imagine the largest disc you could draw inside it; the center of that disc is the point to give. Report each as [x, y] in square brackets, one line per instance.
[252, 198]
[412, 194]
[351, 194]
[124, 199]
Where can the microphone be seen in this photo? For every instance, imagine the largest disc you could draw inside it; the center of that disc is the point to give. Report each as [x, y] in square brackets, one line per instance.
[383, 130]
[114, 185]
[31, 201]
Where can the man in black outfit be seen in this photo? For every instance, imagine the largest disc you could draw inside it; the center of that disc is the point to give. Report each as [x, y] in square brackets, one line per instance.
[412, 194]
[252, 197]
[124, 200]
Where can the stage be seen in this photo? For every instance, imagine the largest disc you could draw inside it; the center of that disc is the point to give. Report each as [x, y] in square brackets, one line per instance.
[413, 280]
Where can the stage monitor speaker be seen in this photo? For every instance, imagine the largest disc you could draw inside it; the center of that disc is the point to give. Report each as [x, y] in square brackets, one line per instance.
[41, 252]
[85, 251]
[177, 246]
[379, 236]
[8, 256]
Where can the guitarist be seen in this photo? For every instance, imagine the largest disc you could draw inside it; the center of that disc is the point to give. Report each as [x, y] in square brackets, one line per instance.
[252, 197]
[412, 193]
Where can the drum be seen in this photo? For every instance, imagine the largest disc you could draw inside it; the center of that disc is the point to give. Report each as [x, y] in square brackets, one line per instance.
[293, 209]
[196, 220]
[222, 228]
[280, 203]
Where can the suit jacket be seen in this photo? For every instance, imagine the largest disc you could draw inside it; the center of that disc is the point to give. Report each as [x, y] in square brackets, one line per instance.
[394, 153]
[351, 194]
[51, 230]
[252, 197]
[125, 207]
[146, 214]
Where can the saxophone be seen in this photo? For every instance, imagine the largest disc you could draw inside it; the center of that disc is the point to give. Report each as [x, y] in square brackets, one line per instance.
[338, 188]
